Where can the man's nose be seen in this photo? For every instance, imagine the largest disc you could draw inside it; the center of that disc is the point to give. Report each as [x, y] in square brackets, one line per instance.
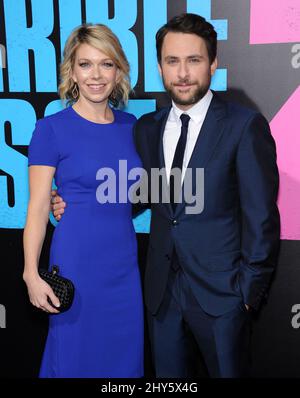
[183, 70]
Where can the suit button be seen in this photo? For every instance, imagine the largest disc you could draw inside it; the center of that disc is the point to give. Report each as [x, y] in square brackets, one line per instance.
[175, 223]
[168, 257]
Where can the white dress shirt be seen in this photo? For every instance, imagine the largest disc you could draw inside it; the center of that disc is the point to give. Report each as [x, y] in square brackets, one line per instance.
[172, 131]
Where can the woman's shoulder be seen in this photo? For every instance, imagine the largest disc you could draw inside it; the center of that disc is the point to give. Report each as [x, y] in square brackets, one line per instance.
[55, 117]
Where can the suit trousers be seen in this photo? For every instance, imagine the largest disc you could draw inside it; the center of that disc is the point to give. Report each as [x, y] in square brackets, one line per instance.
[180, 323]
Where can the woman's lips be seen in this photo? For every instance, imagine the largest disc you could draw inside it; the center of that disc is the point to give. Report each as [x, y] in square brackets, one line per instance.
[96, 87]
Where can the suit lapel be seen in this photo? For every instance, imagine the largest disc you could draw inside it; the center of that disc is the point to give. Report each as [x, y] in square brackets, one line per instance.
[158, 152]
[161, 124]
[209, 136]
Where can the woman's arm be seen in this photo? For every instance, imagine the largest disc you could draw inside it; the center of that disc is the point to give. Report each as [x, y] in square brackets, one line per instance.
[40, 182]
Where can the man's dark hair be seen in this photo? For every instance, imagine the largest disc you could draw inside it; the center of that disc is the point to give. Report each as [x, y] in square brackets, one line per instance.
[189, 23]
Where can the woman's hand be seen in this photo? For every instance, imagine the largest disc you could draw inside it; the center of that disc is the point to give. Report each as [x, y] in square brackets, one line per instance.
[39, 291]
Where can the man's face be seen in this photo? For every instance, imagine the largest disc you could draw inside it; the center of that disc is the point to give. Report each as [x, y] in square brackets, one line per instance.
[185, 68]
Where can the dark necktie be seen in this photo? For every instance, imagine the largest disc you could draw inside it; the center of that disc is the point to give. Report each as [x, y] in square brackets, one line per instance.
[179, 154]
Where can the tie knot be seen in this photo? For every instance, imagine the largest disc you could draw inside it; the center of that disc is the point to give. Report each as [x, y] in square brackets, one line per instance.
[184, 119]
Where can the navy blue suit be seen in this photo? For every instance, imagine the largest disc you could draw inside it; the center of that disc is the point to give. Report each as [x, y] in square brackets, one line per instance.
[227, 253]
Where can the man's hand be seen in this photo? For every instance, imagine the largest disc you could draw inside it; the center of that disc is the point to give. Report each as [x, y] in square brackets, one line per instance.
[57, 205]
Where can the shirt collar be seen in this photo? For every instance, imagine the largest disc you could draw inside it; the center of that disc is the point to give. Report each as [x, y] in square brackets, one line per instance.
[197, 112]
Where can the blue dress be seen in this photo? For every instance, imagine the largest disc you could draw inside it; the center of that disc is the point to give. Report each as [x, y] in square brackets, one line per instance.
[94, 245]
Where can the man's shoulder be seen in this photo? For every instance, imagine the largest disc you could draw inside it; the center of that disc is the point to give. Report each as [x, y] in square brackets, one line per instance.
[235, 109]
[242, 110]
[238, 117]
[245, 121]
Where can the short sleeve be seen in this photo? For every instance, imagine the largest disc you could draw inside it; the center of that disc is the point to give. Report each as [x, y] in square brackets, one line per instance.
[43, 149]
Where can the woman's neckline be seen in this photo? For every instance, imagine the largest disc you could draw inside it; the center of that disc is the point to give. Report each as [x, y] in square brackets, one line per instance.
[90, 121]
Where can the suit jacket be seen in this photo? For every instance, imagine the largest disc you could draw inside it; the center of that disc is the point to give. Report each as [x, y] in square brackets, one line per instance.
[229, 250]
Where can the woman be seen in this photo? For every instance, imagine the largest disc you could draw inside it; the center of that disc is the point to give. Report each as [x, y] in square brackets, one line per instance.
[94, 244]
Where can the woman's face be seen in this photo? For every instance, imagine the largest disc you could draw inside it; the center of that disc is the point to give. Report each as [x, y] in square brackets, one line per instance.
[95, 73]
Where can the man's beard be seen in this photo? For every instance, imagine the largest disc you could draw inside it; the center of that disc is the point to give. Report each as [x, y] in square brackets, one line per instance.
[193, 98]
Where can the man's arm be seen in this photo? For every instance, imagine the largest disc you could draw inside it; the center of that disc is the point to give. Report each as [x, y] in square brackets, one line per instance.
[138, 208]
[57, 205]
[258, 188]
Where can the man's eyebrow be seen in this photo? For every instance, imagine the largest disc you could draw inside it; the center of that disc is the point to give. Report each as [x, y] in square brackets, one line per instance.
[195, 56]
[188, 57]
[171, 56]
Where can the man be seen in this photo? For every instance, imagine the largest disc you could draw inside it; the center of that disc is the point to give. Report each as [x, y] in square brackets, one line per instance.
[207, 271]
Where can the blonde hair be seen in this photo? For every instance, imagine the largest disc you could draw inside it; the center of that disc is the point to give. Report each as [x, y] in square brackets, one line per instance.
[102, 38]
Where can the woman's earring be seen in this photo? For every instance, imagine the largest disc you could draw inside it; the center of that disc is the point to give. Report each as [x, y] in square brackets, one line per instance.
[114, 93]
[75, 92]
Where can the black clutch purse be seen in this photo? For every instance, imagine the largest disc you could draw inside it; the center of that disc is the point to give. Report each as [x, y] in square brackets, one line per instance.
[63, 288]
